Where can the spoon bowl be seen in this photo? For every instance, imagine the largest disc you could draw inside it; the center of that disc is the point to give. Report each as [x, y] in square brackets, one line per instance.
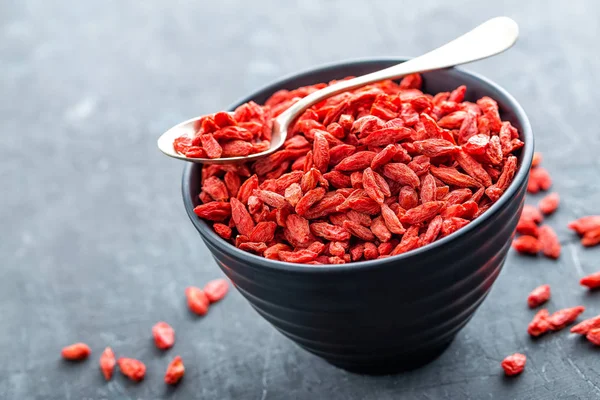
[490, 38]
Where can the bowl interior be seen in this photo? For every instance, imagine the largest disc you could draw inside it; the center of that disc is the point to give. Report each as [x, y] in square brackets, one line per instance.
[433, 82]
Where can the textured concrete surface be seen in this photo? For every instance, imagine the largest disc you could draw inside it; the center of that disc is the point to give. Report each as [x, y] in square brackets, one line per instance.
[94, 241]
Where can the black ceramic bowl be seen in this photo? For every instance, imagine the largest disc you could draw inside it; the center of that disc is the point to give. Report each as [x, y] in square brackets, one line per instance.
[392, 313]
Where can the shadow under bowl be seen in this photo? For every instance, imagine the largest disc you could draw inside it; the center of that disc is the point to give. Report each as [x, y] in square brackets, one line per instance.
[390, 314]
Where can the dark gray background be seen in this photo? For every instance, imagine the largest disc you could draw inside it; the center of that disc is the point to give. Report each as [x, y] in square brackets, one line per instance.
[95, 244]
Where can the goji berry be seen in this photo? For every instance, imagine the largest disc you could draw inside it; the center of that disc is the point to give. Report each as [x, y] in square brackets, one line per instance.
[107, 363]
[214, 211]
[527, 227]
[585, 326]
[541, 177]
[197, 300]
[514, 364]
[591, 281]
[591, 238]
[549, 204]
[359, 231]
[585, 224]
[298, 256]
[76, 352]
[527, 245]
[132, 368]
[452, 224]
[561, 318]
[550, 246]
[222, 230]
[402, 174]
[408, 198]
[311, 197]
[538, 296]
[530, 213]
[216, 289]
[539, 325]
[593, 336]
[175, 371]
[164, 335]
[356, 162]
[428, 189]
[321, 153]
[435, 147]
[371, 186]
[380, 230]
[423, 212]
[451, 176]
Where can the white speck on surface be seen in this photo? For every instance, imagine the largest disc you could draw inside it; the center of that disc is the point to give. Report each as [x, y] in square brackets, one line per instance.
[82, 110]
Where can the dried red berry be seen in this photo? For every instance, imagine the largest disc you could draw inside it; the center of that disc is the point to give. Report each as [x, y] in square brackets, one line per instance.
[527, 227]
[561, 318]
[76, 352]
[549, 204]
[132, 368]
[585, 326]
[594, 336]
[541, 177]
[197, 300]
[175, 371]
[164, 335]
[585, 224]
[527, 245]
[107, 363]
[539, 325]
[549, 243]
[216, 289]
[591, 281]
[591, 238]
[538, 296]
[514, 364]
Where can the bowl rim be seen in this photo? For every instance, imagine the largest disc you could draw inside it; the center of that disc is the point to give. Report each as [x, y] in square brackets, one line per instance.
[209, 235]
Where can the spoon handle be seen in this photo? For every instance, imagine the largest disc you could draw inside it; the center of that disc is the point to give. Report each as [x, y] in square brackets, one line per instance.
[490, 38]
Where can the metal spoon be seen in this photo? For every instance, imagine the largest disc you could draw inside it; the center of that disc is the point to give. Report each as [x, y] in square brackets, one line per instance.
[488, 39]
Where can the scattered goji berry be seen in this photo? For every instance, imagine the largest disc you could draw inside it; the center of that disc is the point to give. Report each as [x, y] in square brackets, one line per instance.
[107, 363]
[585, 224]
[550, 246]
[591, 281]
[561, 318]
[531, 213]
[175, 371]
[514, 364]
[216, 289]
[527, 227]
[593, 336]
[538, 296]
[197, 300]
[76, 352]
[585, 326]
[132, 368]
[549, 204]
[541, 177]
[527, 245]
[539, 324]
[591, 238]
[164, 335]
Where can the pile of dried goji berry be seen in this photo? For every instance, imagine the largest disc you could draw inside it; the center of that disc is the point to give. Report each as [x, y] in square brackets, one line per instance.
[537, 238]
[198, 301]
[366, 174]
